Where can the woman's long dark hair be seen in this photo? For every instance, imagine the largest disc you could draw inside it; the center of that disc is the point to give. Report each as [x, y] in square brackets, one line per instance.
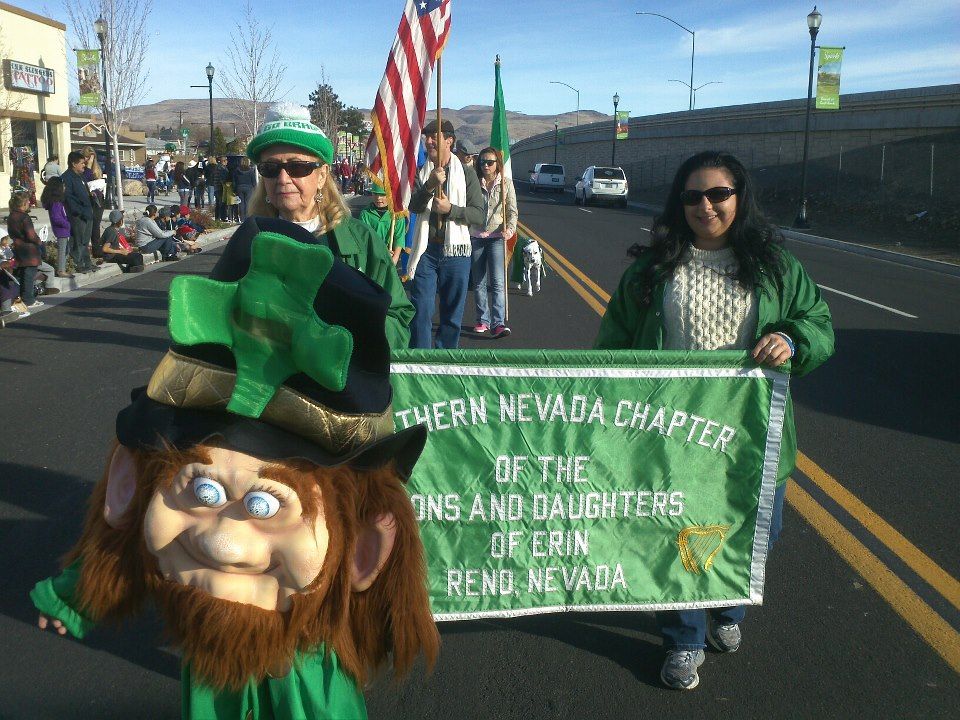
[52, 192]
[755, 242]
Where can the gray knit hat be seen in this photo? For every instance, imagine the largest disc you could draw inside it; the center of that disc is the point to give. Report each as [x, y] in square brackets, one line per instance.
[289, 124]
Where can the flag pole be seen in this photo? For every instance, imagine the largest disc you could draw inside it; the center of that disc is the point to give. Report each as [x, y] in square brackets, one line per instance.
[439, 189]
[503, 228]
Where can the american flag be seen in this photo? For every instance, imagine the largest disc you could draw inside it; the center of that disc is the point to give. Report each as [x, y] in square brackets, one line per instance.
[401, 104]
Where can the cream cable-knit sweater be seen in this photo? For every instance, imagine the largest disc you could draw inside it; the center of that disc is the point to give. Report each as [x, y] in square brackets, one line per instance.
[704, 308]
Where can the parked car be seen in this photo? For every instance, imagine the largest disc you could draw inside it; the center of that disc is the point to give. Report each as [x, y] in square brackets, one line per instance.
[547, 176]
[601, 183]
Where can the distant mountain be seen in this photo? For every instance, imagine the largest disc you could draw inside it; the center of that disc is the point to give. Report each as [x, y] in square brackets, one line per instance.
[472, 122]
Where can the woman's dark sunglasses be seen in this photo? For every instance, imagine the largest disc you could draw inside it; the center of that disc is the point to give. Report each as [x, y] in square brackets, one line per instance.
[488, 162]
[714, 195]
[294, 168]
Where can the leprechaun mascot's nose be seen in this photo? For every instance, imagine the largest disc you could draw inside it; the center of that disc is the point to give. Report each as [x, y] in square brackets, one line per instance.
[256, 491]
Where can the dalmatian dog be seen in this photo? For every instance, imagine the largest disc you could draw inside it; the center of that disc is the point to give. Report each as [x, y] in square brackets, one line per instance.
[533, 268]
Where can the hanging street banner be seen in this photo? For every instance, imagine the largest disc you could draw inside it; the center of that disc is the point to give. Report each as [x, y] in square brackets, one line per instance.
[623, 120]
[88, 73]
[828, 78]
[591, 480]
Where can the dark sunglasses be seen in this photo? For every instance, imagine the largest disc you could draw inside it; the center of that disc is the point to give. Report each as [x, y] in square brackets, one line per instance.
[714, 195]
[294, 168]
[488, 162]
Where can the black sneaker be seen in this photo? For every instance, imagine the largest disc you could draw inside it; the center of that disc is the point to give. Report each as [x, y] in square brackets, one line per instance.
[680, 669]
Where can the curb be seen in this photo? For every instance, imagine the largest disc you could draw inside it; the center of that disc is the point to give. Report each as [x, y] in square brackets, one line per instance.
[111, 269]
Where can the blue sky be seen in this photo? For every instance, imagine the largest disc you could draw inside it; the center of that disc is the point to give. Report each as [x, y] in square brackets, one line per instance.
[757, 50]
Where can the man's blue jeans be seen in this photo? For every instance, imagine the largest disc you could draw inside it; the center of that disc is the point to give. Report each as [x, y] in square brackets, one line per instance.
[687, 629]
[487, 273]
[449, 277]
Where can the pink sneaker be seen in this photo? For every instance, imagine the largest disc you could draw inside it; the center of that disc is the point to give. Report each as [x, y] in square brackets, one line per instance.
[501, 331]
[480, 328]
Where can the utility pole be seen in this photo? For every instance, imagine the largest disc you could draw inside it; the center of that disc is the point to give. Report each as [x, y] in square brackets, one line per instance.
[181, 113]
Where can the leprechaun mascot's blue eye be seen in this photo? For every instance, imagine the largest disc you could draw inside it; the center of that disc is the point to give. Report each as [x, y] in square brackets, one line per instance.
[261, 505]
[209, 492]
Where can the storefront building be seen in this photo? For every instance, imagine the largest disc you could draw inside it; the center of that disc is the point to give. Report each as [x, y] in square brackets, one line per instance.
[34, 99]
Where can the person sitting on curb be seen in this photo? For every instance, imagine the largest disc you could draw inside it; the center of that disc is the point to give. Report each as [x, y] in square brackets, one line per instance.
[376, 217]
[150, 238]
[115, 247]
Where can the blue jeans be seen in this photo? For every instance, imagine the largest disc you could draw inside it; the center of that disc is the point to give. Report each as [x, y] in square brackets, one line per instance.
[211, 195]
[687, 629]
[449, 276]
[488, 275]
[151, 191]
[166, 246]
[27, 278]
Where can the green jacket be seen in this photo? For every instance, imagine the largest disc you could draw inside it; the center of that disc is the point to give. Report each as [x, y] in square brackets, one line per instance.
[360, 248]
[797, 310]
[379, 221]
[317, 688]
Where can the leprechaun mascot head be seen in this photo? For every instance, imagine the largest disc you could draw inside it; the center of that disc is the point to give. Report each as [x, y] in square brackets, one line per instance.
[255, 492]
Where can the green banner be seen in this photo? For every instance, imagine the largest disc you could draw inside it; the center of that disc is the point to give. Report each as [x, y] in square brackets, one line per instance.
[88, 75]
[828, 78]
[623, 121]
[591, 480]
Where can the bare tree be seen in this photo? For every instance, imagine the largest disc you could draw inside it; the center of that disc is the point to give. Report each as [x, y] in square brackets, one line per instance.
[126, 48]
[253, 73]
[325, 106]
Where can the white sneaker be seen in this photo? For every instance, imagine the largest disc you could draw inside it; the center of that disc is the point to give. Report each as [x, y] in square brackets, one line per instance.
[25, 313]
[36, 303]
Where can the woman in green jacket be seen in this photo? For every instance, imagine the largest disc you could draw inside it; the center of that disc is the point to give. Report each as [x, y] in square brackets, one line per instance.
[716, 277]
[293, 158]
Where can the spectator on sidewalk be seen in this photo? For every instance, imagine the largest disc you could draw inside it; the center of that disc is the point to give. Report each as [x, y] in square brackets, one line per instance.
[52, 200]
[150, 238]
[221, 178]
[487, 238]
[440, 256]
[150, 180]
[294, 158]
[115, 247]
[97, 187]
[50, 170]
[182, 181]
[79, 211]
[26, 247]
[377, 217]
[244, 181]
[199, 188]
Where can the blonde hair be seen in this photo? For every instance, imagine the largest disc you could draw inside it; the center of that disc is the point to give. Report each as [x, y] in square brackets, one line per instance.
[92, 165]
[332, 209]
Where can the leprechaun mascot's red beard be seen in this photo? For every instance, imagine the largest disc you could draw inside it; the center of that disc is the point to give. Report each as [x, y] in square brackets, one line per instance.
[256, 491]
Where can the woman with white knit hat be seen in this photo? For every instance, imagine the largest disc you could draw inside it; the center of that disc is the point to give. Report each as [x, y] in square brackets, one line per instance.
[293, 158]
[716, 277]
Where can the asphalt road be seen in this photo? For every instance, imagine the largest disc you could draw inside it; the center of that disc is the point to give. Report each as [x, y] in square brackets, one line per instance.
[880, 419]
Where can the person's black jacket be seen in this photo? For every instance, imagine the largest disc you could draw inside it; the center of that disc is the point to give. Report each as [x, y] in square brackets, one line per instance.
[76, 196]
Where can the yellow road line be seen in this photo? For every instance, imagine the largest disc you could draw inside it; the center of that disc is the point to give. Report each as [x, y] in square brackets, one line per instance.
[934, 629]
[920, 563]
[605, 296]
[937, 633]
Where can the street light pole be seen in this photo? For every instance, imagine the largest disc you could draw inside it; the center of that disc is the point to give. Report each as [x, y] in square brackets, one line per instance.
[613, 155]
[556, 140]
[813, 24]
[693, 47]
[684, 82]
[210, 71]
[100, 27]
[557, 82]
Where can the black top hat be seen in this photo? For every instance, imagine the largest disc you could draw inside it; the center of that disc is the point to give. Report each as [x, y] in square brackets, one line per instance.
[333, 408]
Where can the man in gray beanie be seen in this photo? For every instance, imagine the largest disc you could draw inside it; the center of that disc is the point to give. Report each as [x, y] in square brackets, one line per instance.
[116, 249]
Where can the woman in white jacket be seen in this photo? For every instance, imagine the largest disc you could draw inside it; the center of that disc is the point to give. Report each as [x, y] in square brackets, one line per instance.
[488, 273]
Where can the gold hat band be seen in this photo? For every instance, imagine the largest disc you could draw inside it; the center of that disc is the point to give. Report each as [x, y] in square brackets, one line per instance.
[188, 383]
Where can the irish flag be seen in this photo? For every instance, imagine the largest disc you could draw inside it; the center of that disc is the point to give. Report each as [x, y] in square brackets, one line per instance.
[500, 140]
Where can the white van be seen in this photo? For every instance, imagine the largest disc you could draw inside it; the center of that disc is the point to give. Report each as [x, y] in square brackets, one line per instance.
[547, 176]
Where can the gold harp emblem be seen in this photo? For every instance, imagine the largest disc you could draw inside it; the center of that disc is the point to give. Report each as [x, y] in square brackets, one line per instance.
[699, 545]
